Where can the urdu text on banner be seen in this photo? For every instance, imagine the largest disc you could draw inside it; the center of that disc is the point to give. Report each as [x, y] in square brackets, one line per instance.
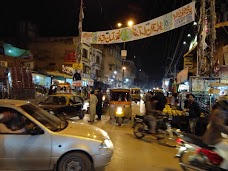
[164, 23]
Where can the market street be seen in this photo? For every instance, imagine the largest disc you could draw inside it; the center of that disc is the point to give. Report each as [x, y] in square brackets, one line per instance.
[134, 154]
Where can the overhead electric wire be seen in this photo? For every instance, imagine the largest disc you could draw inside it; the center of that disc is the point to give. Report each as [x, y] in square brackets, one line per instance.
[169, 44]
[174, 55]
[147, 41]
[178, 45]
[102, 14]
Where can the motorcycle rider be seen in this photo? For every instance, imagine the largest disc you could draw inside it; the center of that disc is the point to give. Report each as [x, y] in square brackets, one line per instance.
[218, 125]
[154, 106]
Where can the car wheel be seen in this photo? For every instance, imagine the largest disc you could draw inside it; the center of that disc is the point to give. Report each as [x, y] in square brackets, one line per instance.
[81, 115]
[75, 161]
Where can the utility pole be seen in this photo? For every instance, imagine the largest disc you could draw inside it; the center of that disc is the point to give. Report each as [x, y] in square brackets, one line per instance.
[206, 38]
[77, 66]
[81, 16]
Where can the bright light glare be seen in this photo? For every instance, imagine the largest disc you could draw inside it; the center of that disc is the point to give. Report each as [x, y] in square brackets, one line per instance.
[130, 23]
[119, 24]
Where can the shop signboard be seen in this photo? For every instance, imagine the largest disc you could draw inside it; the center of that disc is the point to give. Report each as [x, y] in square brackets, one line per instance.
[77, 83]
[67, 69]
[69, 56]
[77, 66]
[202, 84]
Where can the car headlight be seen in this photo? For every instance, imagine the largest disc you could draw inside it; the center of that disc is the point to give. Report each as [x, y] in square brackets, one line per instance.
[86, 105]
[119, 110]
[106, 144]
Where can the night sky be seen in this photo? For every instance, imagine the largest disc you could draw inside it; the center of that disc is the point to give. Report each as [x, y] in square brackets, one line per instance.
[60, 18]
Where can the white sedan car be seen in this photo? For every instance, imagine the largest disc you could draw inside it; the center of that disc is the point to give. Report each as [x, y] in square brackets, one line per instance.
[41, 141]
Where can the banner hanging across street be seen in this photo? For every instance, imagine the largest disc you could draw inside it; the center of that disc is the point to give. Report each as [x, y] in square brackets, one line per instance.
[164, 23]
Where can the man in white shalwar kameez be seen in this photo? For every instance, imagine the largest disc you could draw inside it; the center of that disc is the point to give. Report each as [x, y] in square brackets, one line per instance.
[92, 106]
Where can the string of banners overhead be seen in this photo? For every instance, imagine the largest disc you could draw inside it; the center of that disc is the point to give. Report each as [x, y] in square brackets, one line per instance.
[164, 23]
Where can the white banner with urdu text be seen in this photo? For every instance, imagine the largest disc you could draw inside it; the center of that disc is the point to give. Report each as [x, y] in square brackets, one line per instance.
[164, 23]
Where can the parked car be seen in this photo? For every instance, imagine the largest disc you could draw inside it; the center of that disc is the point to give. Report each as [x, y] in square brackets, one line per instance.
[49, 143]
[68, 104]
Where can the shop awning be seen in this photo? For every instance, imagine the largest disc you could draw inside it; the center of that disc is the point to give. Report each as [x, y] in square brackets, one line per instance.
[58, 74]
[182, 76]
[214, 84]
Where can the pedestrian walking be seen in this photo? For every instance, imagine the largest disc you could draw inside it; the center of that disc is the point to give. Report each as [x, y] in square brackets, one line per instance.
[92, 106]
[99, 104]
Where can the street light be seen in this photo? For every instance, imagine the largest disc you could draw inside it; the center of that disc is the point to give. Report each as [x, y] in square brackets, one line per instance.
[115, 72]
[129, 24]
[124, 68]
[124, 52]
[119, 25]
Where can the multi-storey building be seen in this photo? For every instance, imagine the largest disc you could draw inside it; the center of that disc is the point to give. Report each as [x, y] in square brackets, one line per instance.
[57, 55]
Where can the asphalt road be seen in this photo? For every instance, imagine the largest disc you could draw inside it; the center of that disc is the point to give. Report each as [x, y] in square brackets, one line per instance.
[131, 154]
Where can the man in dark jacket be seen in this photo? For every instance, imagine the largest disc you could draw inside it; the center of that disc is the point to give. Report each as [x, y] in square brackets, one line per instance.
[160, 99]
[194, 112]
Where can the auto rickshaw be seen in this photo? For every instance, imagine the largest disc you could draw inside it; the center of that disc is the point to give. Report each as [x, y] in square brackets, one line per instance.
[120, 105]
[135, 94]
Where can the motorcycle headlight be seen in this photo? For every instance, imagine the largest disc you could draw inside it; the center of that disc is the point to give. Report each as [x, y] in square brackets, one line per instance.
[119, 110]
[103, 98]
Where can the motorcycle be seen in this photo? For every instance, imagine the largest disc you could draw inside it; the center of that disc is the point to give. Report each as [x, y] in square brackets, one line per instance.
[193, 154]
[166, 135]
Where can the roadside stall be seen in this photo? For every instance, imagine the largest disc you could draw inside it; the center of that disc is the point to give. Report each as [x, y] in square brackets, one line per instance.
[217, 90]
[200, 88]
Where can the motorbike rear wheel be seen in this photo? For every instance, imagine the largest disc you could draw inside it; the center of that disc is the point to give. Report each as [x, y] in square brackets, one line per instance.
[186, 162]
[138, 130]
[169, 139]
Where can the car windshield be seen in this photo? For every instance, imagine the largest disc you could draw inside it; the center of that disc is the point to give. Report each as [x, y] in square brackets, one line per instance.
[136, 91]
[58, 100]
[119, 96]
[48, 120]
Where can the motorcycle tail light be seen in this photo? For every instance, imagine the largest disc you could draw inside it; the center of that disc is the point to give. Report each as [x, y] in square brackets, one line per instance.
[212, 156]
[179, 141]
